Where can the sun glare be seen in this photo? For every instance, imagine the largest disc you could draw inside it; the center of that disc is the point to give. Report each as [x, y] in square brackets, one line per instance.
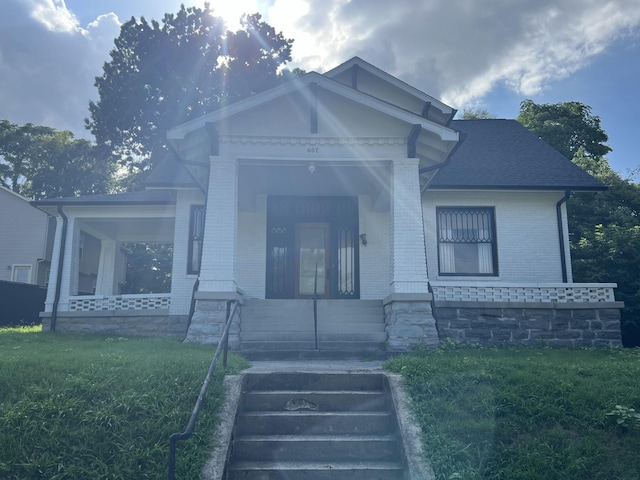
[232, 10]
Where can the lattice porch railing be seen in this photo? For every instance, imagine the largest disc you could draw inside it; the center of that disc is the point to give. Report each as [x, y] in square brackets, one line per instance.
[95, 303]
[559, 293]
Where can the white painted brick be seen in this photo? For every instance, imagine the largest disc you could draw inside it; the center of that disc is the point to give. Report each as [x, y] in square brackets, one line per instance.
[252, 250]
[526, 230]
[181, 282]
[375, 267]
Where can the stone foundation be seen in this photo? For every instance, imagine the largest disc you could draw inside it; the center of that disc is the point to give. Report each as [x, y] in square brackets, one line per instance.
[534, 324]
[124, 323]
[209, 318]
[409, 322]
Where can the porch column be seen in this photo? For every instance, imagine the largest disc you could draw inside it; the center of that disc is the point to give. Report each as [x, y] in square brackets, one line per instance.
[105, 284]
[218, 269]
[408, 258]
[55, 262]
[409, 320]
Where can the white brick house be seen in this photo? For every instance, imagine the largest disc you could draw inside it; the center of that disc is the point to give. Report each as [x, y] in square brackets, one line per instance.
[439, 228]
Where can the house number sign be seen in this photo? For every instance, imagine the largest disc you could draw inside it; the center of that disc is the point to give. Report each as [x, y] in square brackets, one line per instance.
[313, 149]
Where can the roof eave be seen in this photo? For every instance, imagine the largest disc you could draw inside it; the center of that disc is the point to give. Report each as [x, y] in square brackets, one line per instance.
[520, 187]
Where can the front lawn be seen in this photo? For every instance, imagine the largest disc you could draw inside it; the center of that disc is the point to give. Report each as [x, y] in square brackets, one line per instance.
[524, 413]
[102, 407]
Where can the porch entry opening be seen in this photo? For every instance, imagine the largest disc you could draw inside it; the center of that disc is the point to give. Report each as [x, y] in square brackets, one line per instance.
[309, 233]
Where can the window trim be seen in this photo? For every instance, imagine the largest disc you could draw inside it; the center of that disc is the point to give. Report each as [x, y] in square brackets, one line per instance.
[494, 240]
[21, 266]
[193, 239]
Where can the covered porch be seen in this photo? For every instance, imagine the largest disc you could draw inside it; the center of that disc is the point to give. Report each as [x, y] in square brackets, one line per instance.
[89, 288]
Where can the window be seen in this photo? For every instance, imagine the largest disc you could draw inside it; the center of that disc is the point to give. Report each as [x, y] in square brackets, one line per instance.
[21, 274]
[196, 233]
[466, 241]
[81, 246]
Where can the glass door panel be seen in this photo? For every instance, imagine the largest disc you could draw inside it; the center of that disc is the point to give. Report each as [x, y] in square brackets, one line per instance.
[312, 258]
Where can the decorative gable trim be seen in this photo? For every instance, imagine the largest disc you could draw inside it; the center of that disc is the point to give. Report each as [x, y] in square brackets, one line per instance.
[322, 141]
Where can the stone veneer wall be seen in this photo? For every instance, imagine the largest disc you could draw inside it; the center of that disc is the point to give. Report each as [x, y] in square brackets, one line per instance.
[157, 323]
[409, 322]
[209, 318]
[539, 324]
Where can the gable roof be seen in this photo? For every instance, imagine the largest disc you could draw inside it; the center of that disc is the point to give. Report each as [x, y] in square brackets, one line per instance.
[409, 117]
[502, 154]
[349, 72]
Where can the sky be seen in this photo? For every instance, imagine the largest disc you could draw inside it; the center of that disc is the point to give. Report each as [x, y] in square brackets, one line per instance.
[488, 54]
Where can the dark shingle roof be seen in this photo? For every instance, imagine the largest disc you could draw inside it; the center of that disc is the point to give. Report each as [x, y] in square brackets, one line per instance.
[169, 173]
[502, 154]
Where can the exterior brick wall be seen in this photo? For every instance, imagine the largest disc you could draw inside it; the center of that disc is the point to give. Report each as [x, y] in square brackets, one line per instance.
[408, 262]
[252, 250]
[555, 325]
[518, 216]
[181, 282]
[375, 266]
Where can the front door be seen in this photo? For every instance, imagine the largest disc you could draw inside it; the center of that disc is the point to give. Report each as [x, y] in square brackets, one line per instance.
[308, 236]
[312, 260]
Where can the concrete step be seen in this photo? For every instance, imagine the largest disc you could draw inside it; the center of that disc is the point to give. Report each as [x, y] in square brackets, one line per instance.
[349, 349]
[308, 326]
[355, 352]
[314, 423]
[324, 401]
[287, 336]
[317, 448]
[301, 426]
[315, 471]
[280, 319]
[315, 381]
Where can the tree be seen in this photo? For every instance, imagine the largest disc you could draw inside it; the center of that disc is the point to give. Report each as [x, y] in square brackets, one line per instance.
[161, 75]
[566, 126]
[41, 162]
[478, 114]
[148, 267]
[604, 226]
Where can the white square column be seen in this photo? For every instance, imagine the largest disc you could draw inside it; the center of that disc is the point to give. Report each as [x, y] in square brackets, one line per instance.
[218, 268]
[106, 281]
[408, 258]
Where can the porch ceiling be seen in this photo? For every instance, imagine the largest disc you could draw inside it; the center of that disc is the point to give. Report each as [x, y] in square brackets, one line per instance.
[131, 229]
[316, 179]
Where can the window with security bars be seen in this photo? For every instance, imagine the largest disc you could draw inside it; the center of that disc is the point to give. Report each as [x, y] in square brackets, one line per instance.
[466, 241]
[196, 234]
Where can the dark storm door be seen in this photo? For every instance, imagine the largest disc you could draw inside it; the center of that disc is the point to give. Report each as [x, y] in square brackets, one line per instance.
[304, 230]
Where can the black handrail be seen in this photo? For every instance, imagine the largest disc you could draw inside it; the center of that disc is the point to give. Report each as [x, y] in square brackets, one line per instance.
[315, 305]
[223, 345]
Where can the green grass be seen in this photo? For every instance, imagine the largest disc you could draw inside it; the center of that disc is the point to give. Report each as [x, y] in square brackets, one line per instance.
[102, 407]
[527, 413]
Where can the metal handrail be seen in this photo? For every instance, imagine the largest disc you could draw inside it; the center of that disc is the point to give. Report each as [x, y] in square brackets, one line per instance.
[223, 346]
[315, 305]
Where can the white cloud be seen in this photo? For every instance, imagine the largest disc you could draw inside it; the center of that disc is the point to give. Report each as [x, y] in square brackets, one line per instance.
[48, 63]
[53, 14]
[459, 49]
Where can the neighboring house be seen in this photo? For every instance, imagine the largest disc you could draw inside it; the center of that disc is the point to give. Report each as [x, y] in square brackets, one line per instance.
[412, 227]
[26, 240]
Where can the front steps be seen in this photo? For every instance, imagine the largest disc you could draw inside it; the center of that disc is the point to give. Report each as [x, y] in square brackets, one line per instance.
[312, 426]
[269, 328]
